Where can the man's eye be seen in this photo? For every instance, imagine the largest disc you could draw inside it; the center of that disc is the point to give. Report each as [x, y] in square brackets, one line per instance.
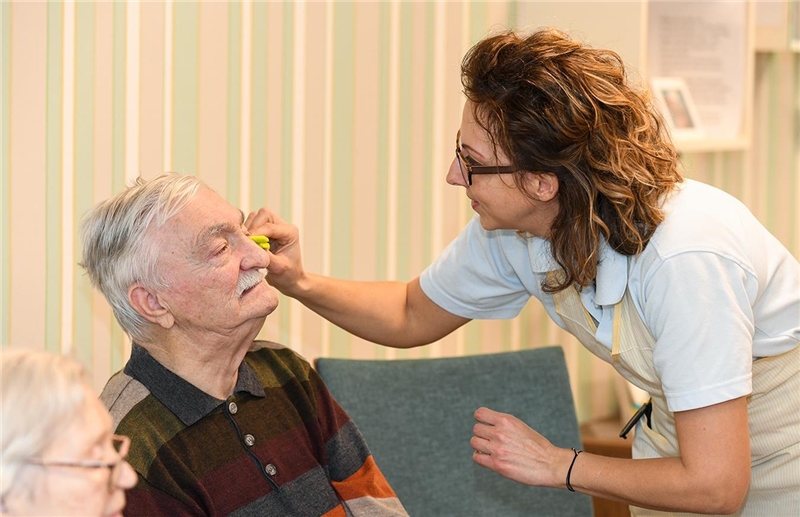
[222, 250]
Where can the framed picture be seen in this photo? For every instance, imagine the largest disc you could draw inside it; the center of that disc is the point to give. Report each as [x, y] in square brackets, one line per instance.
[794, 26]
[673, 98]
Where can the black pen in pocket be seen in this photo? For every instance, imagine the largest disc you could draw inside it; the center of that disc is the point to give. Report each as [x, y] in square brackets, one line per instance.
[645, 410]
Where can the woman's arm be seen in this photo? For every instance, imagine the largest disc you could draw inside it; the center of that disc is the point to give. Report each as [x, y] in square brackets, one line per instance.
[711, 475]
[394, 314]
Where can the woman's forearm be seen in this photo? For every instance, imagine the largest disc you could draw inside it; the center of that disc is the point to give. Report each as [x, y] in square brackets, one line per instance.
[711, 475]
[661, 484]
[395, 314]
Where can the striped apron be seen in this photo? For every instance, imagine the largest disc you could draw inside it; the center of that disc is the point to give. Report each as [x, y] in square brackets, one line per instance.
[773, 408]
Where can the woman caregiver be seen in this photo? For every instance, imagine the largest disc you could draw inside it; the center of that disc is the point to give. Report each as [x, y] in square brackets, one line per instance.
[579, 203]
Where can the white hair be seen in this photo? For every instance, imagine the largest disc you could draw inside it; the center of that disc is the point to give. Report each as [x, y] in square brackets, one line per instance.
[117, 250]
[41, 393]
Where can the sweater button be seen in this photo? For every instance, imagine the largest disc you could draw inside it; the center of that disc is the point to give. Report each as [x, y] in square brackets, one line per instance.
[249, 439]
[270, 470]
[233, 408]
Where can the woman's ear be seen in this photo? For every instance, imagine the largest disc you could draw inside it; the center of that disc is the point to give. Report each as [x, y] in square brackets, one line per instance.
[151, 307]
[544, 186]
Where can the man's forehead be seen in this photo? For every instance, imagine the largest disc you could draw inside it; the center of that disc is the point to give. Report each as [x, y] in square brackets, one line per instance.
[208, 208]
[217, 226]
[207, 214]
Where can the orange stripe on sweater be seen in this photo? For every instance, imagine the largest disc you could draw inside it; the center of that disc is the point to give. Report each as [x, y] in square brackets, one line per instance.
[368, 481]
[336, 512]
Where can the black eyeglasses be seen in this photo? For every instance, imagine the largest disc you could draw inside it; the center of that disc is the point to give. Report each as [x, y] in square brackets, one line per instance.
[121, 446]
[463, 163]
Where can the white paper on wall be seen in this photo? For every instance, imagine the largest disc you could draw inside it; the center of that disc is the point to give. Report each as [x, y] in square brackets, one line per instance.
[705, 44]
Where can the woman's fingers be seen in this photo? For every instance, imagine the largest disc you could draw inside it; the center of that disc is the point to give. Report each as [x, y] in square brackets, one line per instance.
[281, 234]
[507, 445]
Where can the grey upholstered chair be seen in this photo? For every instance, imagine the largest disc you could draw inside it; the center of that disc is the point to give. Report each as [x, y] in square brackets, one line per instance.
[417, 417]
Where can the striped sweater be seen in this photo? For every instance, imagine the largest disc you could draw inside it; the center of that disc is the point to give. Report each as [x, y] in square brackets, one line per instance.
[279, 446]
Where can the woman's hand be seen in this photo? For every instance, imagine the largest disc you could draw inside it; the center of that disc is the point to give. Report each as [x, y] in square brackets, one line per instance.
[711, 475]
[286, 265]
[505, 444]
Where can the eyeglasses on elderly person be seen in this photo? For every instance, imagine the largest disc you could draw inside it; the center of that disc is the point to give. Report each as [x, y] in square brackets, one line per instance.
[59, 456]
[121, 445]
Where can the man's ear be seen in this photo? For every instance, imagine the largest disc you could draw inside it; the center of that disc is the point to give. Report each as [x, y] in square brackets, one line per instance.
[544, 186]
[150, 306]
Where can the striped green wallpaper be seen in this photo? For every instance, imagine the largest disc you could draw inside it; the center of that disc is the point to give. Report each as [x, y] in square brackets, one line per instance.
[339, 115]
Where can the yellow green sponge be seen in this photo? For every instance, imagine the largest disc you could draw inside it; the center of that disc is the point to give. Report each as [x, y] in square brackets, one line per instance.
[261, 240]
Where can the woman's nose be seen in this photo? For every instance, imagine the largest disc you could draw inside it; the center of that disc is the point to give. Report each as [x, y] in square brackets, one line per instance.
[454, 176]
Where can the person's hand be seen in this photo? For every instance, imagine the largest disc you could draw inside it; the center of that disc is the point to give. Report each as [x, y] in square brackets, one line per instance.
[286, 265]
[505, 444]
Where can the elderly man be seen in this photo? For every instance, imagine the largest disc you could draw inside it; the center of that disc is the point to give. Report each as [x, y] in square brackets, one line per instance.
[220, 424]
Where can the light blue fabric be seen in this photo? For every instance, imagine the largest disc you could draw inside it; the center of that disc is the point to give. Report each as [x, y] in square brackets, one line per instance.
[714, 288]
[417, 418]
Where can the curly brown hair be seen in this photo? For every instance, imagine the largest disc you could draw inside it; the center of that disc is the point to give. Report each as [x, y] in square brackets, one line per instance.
[558, 106]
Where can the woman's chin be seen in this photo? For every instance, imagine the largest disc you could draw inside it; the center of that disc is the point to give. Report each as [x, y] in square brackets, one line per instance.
[487, 224]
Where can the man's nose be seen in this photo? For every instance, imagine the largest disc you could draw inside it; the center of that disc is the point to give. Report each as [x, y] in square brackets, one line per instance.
[255, 257]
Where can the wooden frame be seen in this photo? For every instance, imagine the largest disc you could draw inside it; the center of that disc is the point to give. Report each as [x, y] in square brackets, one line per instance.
[676, 105]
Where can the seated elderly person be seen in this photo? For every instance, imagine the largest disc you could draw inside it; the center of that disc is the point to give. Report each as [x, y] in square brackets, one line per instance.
[58, 454]
[219, 423]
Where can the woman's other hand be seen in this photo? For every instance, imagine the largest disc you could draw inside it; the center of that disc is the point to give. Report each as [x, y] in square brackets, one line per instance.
[505, 444]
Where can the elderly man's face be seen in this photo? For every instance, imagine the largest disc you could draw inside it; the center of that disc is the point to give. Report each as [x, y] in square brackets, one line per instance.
[213, 271]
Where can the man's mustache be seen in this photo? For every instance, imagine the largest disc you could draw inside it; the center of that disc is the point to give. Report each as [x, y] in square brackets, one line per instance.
[248, 279]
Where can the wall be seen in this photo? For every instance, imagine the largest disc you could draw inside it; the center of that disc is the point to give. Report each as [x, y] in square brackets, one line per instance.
[341, 116]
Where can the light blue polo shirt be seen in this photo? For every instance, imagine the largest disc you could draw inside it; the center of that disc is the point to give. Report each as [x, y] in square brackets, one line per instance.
[714, 287]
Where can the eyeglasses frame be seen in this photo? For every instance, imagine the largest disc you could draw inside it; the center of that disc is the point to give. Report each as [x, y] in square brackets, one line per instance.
[112, 466]
[478, 169]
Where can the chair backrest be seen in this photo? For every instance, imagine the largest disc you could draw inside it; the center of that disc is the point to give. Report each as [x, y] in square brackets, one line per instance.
[417, 418]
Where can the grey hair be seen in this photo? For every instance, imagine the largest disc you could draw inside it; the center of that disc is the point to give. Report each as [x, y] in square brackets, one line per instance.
[117, 250]
[41, 393]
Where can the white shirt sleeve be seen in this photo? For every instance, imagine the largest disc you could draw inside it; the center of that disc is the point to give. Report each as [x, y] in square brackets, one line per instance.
[698, 307]
[473, 278]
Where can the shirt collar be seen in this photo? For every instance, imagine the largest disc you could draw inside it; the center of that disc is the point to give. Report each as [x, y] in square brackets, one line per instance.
[541, 255]
[186, 401]
[612, 269]
[612, 276]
